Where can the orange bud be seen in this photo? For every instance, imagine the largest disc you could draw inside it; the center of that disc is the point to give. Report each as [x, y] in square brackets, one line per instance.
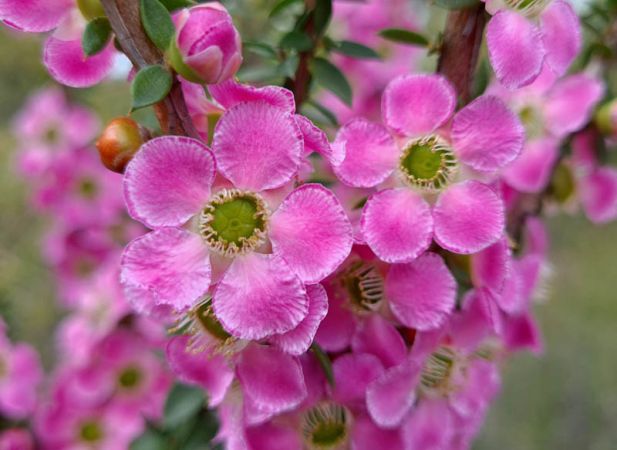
[119, 142]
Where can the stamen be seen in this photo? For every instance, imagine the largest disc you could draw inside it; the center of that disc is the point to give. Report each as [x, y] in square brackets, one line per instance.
[428, 163]
[364, 285]
[527, 7]
[325, 427]
[234, 222]
[130, 378]
[438, 371]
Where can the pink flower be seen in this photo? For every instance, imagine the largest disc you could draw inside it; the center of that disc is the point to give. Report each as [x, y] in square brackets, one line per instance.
[20, 375]
[16, 439]
[263, 249]
[419, 153]
[523, 35]
[207, 48]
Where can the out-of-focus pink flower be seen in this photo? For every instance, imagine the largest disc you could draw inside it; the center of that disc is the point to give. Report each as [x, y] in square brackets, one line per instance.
[523, 35]
[20, 375]
[16, 439]
[207, 48]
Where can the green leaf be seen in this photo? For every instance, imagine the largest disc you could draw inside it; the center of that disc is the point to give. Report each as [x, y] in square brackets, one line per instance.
[281, 6]
[96, 36]
[150, 440]
[172, 5]
[456, 4]
[321, 16]
[319, 113]
[331, 78]
[296, 40]
[183, 402]
[260, 49]
[355, 50]
[150, 86]
[157, 22]
[404, 36]
[289, 66]
[324, 362]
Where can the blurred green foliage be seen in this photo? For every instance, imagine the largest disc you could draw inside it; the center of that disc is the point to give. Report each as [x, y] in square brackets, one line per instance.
[566, 399]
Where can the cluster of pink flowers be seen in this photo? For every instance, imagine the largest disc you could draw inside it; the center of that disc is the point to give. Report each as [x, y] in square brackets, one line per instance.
[370, 310]
[107, 380]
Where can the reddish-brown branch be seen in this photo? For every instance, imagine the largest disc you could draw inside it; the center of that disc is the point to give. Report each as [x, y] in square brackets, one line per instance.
[124, 18]
[460, 48]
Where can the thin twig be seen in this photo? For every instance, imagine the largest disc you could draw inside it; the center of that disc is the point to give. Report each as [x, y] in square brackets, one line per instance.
[124, 18]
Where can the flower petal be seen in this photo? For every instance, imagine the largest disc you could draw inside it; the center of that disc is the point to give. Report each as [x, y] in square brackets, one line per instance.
[379, 337]
[272, 379]
[430, 427]
[315, 140]
[570, 103]
[368, 153]
[561, 35]
[311, 231]
[257, 146]
[417, 104]
[67, 64]
[259, 296]
[532, 170]
[599, 195]
[336, 330]
[515, 49]
[490, 267]
[486, 135]
[365, 435]
[397, 224]
[34, 16]
[168, 181]
[298, 340]
[353, 372]
[230, 93]
[469, 216]
[422, 293]
[390, 397]
[169, 263]
[209, 372]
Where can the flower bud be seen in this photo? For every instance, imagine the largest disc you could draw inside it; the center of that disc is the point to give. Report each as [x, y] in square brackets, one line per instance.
[207, 47]
[119, 142]
[606, 118]
[91, 9]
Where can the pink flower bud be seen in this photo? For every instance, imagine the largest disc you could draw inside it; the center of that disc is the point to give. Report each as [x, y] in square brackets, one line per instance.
[207, 48]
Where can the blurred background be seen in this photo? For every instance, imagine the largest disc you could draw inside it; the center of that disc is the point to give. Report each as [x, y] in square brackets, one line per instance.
[566, 399]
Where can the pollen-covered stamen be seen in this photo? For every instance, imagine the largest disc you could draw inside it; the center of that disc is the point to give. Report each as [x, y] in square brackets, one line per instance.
[207, 333]
[364, 285]
[527, 7]
[428, 163]
[234, 222]
[325, 427]
[439, 369]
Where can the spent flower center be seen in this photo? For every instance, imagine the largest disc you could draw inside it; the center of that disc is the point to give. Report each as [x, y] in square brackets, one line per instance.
[234, 222]
[428, 163]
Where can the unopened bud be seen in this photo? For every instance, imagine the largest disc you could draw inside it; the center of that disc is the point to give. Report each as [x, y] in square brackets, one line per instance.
[119, 142]
[606, 118]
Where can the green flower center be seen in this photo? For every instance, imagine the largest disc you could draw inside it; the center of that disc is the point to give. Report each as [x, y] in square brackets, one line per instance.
[87, 188]
[364, 285]
[325, 426]
[206, 318]
[52, 135]
[130, 378]
[563, 183]
[234, 222]
[90, 432]
[428, 163]
[527, 7]
[532, 120]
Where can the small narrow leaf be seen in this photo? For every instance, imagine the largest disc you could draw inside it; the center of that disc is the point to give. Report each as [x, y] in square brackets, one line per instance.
[260, 49]
[281, 6]
[183, 402]
[173, 5]
[296, 40]
[404, 36]
[150, 86]
[289, 66]
[157, 22]
[456, 4]
[320, 114]
[331, 78]
[321, 16]
[96, 36]
[324, 362]
[355, 50]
